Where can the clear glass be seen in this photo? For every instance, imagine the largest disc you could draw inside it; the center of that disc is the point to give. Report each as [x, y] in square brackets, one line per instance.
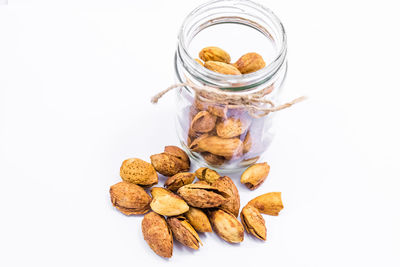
[239, 27]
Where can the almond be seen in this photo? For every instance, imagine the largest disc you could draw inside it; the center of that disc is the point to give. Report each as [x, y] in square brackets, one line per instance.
[222, 68]
[225, 147]
[255, 175]
[198, 219]
[226, 226]
[202, 195]
[157, 234]
[269, 203]
[178, 180]
[203, 122]
[231, 127]
[253, 222]
[167, 203]
[228, 186]
[129, 198]
[139, 172]
[184, 232]
[213, 53]
[250, 62]
[206, 174]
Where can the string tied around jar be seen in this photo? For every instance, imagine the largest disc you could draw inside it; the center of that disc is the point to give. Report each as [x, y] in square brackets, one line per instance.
[254, 103]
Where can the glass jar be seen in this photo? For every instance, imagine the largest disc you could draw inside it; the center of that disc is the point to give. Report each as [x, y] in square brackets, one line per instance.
[228, 138]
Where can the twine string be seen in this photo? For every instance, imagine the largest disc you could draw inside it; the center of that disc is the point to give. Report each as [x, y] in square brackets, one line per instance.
[254, 103]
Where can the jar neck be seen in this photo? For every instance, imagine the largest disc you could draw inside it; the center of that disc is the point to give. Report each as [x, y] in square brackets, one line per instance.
[242, 12]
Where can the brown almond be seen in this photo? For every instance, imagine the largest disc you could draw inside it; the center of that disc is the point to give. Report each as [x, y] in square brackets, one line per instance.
[269, 203]
[139, 172]
[253, 222]
[255, 175]
[198, 219]
[168, 165]
[206, 174]
[226, 226]
[231, 127]
[222, 68]
[203, 122]
[178, 153]
[130, 198]
[228, 186]
[250, 62]
[173, 183]
[157, 234]
[184, 232]
[225, 147]
[213, 53]
[213, 159]
[167, 203]
[202, 196]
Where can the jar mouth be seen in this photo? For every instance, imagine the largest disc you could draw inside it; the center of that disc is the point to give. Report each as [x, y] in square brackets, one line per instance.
[243, 12]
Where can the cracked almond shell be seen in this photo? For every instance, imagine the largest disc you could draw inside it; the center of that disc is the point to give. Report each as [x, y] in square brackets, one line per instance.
[139, 172]
[222, 68]
[253, 222]
[226, 226]
[269, 203]
[184, 232]
[255, 175]
[175, 182]
[129, 198]
[168, 165]
[228, 186]
[198, 219]
[167, 203]
[225, 147]
[203, 122]
[157, 234]
[202, 195]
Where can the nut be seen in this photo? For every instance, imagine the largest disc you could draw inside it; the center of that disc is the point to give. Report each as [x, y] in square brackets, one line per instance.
[184, 232]
[178, 180]
[167, 203]
[171, 162]
[253, 222]
[250, 62]
[129, 198]
[202, 195]
[222, 68]
[206, 174]
[228, 186]
[247, 142]
[230, 127]
[225, 147]
[213, 159]
[214, 109]
[213, 53]
[226, 226]
[157, 234]
[269, 203]
[255, 175]
[139, 172]
[198, 219]
[203, 122]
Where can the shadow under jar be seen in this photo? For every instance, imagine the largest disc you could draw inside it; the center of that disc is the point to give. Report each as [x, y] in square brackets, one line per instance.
[216, 134]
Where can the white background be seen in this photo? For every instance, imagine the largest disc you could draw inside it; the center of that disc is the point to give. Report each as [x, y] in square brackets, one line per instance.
[75, 82]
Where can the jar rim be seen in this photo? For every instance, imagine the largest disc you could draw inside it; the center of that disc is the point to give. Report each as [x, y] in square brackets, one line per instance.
[233, 83]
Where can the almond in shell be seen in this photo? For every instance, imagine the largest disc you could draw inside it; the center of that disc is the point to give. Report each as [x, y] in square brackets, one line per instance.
[231, 127]
[228, 186]
[206, 174]
[225, 147]
[167, 203]
[250, 62]
[269, 203]
[226, 226]
[139, 172]
[203, 122]
[255, 175]
[222, 68]
[184, 232]
[253, 222]
[157, 234]
[198, 219]
[202, 195]
[173, 183]
[213, 53]
[129, 198]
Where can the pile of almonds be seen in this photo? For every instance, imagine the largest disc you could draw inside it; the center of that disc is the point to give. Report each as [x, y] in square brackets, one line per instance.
[220, 134]
[183, 208]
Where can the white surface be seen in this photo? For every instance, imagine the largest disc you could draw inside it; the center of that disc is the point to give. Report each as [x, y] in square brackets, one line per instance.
[75, 83]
